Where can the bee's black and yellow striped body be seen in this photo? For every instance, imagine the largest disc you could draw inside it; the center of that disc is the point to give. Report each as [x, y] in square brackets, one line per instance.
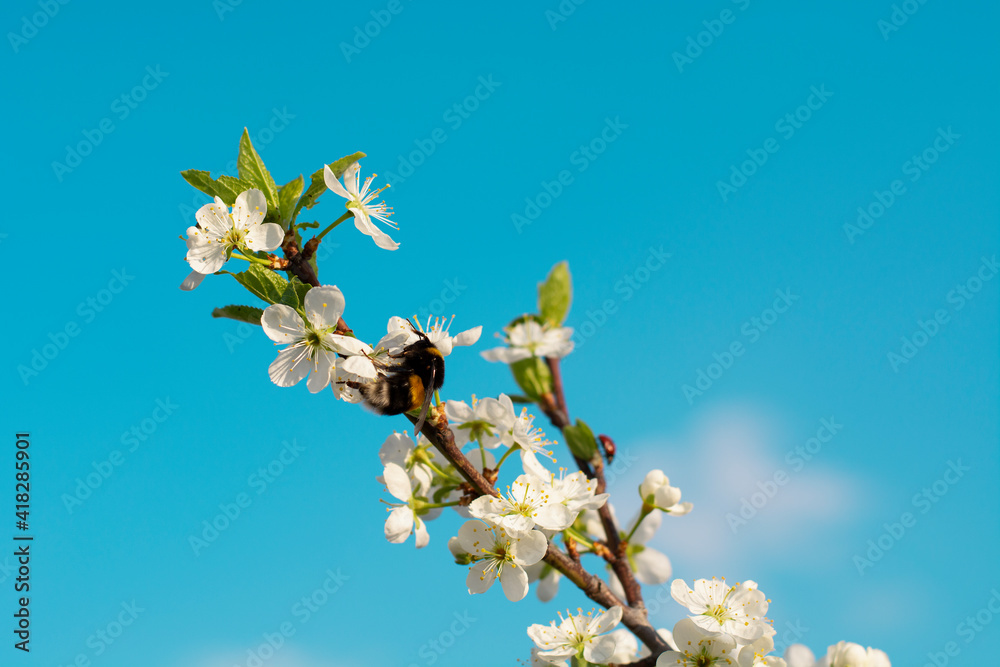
[409, 384]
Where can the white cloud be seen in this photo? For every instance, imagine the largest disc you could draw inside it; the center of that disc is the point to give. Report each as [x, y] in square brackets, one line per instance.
[725, 463]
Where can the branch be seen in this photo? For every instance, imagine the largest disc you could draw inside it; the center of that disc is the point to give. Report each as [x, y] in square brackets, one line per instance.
[437, 431]
[299, 266]
[555, 408]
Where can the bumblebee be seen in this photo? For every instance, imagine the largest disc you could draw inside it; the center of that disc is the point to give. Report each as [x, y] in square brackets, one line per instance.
[407, 382]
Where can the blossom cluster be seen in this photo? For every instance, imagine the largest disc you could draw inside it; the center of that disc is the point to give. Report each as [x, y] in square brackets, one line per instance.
[506, 536]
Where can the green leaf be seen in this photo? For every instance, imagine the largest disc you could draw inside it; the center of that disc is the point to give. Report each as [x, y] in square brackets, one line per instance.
[229, 188]
[533, 377]
[263, 283]
[288, 196]
[201, 180]
[340, 166]
[317, 185]
[249, 314]
[580, 440]
[555, 295]
[226, 188]
[295, 294]
[252, 170]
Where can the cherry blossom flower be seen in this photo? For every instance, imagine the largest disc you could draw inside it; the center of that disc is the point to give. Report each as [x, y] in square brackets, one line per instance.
[477, 423]
[698, 647]
[499, 554]
[528, 339]
[577, 635]
[400, 334]
[736, 610]
[529, 502]
[799, 655]
[656, 491]
[410, 516]
[357, 368]
[398, 448]
[626, 646]
[847, 654]
[578, 492]
[312, 343]
[220, 231]
[755, 654]
[359, 203]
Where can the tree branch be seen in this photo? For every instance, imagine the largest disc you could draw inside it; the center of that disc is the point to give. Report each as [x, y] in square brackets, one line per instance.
[555, 408]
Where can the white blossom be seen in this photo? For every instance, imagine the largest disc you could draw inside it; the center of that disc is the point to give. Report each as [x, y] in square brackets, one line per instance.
[656, 491]
[398, 448]
[528, 502]
[697, 647]
[220, 231]
[530, 339]
[476, 423]
[755, 654]
[578, 492]
[626, 646]
[799, 655]
[500, 554]
[408, 517]
[717, 607]
[577, 635]
[312, 343]
[847, 654]
[359, 203]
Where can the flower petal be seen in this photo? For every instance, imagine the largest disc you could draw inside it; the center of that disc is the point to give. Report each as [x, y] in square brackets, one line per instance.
[399, 525]
[652, 567]
[324, 306]
[249, 209]
[529, 548]
[214, 218]
[479, 578]
[290, 367]
[468, 337]
[193, 280]
[548, 586]
[599, 650]
[514, 581]
[605, 621]
[351, 178]
[473, 535]
[398, 482]
[458, 412]
[555, 516]
[443, 345]
[206, 257]
[282, 324]
[365, 226]
[347, 344]
[333, 184]
[799, 655]
[265, 237]
[359, 365]
[320, 377]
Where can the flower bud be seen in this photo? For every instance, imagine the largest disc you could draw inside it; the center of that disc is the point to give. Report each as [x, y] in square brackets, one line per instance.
[656, 490]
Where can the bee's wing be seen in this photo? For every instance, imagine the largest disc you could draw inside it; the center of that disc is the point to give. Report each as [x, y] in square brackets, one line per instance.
[428, 394]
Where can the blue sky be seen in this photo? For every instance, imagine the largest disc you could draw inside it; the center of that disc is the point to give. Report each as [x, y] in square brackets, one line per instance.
[806, 112]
